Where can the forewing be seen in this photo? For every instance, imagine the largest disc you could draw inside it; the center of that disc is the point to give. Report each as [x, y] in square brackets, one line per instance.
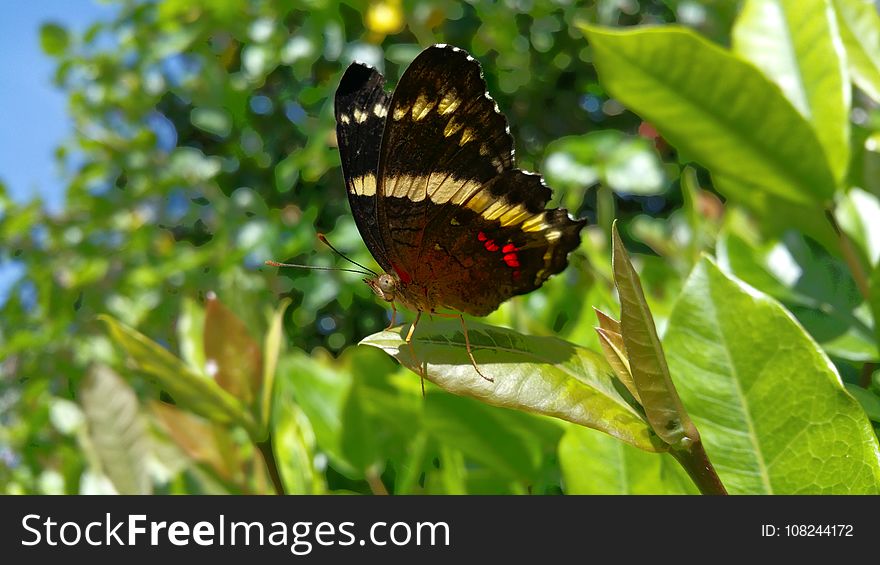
[361, 106]
[445, 139]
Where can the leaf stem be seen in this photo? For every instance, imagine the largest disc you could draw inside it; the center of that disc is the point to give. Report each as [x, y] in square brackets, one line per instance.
[268, 453]
[850, 256]
[699, 468]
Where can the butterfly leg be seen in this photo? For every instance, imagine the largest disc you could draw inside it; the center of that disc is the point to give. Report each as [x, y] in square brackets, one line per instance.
[393, 317]
[422, 370]
[467, 344]
[467, 341]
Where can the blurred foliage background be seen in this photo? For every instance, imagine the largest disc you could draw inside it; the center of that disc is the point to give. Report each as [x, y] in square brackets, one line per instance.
[205, 145]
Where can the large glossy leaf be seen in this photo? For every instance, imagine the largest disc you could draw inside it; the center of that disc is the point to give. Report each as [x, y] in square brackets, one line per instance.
[188, 388]
[797, 45]
[860, 31]
[647, 362]
[715, 108]
[117, 430]
[544, 375]
[594, 463]
[770, 406]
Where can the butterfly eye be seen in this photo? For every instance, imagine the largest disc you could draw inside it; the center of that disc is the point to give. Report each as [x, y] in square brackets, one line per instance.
[386, 285]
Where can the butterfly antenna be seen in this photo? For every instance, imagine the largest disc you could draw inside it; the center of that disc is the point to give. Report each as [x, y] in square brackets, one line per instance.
[327, 243]
[314, 268]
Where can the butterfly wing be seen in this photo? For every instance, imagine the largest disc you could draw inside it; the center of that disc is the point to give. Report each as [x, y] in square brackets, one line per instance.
[454, 213]
[361, 105]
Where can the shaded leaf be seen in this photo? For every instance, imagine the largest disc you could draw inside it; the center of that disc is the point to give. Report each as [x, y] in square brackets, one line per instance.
[117, 430]
[545, 375]
[772, 411]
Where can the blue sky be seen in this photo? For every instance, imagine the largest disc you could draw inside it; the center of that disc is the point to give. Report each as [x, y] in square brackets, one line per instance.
[33, 119]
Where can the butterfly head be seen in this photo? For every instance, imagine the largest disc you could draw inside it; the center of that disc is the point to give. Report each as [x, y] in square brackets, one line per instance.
[385, 286]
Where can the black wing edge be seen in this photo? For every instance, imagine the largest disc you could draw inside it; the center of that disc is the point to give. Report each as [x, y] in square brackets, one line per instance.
[360, 106]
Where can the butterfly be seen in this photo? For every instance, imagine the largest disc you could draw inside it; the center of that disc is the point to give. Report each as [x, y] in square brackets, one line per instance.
[435, 192]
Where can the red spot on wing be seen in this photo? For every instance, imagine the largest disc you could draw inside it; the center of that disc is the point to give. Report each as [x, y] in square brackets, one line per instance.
[481, 236]
[491, 245]
[509, 248]
[404, 276]
[512, 260]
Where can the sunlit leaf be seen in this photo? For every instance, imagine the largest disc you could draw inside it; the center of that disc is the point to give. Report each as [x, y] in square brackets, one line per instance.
[272, 347]
[593, 463]
[860, 30]
[770, 406]
[797, 45]
[714, 108]
[544, 375]
[647, 361]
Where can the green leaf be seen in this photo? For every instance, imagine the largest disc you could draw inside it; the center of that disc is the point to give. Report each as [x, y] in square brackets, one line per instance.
[320, 390]
[860, 31]
[544, 375]
[232, 352]
[626, 164]
[869, 401]
[714, 107]
[817, 288]
[188, 388]
[294, 445]
[647, 361]
[54, 39]
[797, 45]
[190, 334]
[594, 463]
[271, 350]
[615, 351]
[287, 173]
[212, 120]
[117, 430]
[359, 439]
[858, 214]
[772, 411]
[508, 442]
